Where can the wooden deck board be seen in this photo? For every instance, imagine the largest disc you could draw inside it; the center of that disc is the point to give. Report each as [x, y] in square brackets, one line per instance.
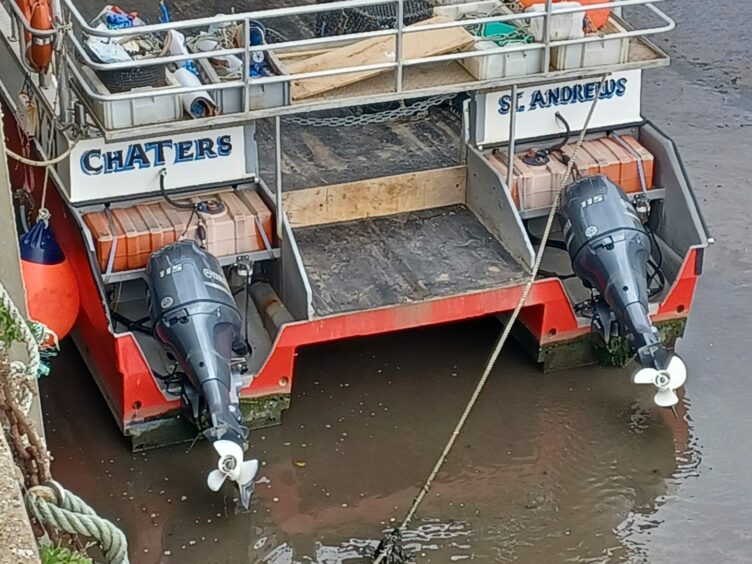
[373, 51]
[403, 258]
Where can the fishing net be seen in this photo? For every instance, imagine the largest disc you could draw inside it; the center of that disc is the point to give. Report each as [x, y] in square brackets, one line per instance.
[370, 18]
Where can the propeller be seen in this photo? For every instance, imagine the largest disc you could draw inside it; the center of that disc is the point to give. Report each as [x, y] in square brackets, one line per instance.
[232, 467]
[666, 380]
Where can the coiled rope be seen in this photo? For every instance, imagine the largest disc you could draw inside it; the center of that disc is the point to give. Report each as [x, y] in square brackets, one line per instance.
[390, 549]
[22, 375]
[52, 505]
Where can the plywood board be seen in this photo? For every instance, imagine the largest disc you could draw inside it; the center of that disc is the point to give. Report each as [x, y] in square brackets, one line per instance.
[374, 51]
[376, 197]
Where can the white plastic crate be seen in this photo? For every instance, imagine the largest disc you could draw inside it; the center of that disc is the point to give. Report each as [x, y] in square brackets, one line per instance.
[563, 26]
[470, 9]
[122, 114]
[595, 53]
[261, 96]
[502, 65]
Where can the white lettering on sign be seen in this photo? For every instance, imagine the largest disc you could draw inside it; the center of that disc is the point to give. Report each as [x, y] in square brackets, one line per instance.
[104, 171]
[536, 107]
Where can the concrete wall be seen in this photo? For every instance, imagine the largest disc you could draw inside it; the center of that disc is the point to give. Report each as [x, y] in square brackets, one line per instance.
[17, 542]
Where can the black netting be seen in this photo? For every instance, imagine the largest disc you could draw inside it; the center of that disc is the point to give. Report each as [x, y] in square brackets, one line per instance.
[370, 18]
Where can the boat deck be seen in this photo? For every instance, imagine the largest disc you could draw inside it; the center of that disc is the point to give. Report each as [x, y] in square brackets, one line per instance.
[318, 156]
[402, 258]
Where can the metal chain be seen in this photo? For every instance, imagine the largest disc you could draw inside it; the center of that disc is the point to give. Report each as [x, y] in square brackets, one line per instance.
[418, 109]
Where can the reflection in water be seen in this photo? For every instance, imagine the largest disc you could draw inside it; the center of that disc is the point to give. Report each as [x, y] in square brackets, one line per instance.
[550, 468]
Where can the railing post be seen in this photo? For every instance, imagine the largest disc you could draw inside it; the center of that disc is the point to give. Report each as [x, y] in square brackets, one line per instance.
[63, 88]
[398, 49]
[246, 65]
[547, 37]
[512, 140]
[13, 28]
[278, 171]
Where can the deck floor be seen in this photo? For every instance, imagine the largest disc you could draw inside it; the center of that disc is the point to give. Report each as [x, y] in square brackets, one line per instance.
[402, 258]
[317, 156]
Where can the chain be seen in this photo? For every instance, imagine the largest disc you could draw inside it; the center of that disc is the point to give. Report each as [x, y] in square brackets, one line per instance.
[417, 110]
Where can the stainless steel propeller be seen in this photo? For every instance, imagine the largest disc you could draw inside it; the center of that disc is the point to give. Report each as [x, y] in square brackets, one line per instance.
[232, 467]
[666, 380]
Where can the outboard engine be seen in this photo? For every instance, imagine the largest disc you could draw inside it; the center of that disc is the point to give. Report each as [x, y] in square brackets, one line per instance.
[610, 249]
[195, 317]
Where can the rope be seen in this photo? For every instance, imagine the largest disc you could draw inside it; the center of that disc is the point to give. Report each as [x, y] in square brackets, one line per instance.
[27, 337]
[49, 504]
[48, 162]
[502, 339]
[53, 505]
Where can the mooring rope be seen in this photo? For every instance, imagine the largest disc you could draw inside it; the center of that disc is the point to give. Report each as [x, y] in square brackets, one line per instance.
[21, 375]
[392, 541]
[50, 504]
[53, 505]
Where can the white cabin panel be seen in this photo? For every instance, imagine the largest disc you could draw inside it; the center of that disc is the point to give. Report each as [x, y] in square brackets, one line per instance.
[101, 171]
[619, 104]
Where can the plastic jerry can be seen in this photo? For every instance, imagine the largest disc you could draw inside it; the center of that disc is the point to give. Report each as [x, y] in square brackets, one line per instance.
[262, 212]
[584, 163]
[161, 231]
[220, 227]
[137, 236]
[540, 183]
[630, 177]
[101, 228]
[183, 221]
[608, 164]
[638, 151]
[532, 184]
[245, 225]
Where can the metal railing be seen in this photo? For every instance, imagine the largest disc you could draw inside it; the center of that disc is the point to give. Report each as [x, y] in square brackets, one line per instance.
[75, 53]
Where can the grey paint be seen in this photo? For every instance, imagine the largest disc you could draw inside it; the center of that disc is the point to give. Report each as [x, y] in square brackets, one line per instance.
[294, 288]
[486, 195]
[681, 223]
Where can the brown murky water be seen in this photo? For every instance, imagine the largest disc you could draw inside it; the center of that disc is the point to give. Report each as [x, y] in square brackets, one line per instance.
[550, 466]
[575, 466]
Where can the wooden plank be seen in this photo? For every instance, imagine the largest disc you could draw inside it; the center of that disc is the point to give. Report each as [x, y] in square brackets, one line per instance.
[376, 197]
[374, 51]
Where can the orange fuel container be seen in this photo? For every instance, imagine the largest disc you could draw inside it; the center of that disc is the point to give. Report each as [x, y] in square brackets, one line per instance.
[137, 236]
[142, 229]
[220, 230]
[636, 153]
[608, 164]
[161, 231]
[532, 186]
[102, 233]
[242, 217]
[183, 221]
[256, 205]
[615, 161]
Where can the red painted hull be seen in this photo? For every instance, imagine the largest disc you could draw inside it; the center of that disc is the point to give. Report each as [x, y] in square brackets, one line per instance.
[125, 379]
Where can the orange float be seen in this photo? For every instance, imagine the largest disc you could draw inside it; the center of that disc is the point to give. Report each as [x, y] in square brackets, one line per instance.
[38, 48]
[51, 287]
[597, 18]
